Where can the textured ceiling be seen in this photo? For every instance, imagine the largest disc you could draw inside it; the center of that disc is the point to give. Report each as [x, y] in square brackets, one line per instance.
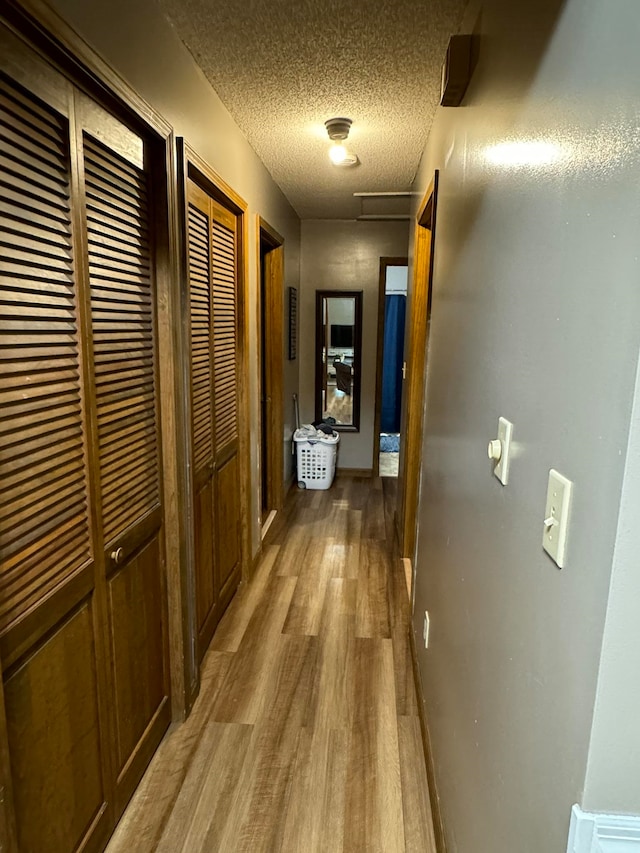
[283, 67]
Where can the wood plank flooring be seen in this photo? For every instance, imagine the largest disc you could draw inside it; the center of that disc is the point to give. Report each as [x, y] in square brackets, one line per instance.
[305, 737]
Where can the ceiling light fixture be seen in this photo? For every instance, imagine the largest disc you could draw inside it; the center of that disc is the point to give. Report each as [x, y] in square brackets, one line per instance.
[338, 130]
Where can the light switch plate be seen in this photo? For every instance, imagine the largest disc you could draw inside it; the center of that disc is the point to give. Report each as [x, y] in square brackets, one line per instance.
[556, 515]
[505, 431]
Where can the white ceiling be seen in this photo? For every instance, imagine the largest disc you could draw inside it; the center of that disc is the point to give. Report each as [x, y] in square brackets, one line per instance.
[283, 67]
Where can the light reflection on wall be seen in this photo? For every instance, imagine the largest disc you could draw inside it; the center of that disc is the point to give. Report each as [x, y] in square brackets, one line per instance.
[526, 152]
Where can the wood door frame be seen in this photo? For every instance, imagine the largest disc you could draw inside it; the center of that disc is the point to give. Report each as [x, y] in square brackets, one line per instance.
[382, 281]
[418, 313]
[196, 168]
[273, 370]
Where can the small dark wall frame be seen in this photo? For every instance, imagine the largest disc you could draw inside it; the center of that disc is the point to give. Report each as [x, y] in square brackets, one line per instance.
[293, 323]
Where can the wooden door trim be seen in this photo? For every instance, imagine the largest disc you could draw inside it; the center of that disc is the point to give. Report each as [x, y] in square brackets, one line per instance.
[382, 280]
[274, 355]
[196, 168]
[176, 437]
[419, 307]
[272, 235]
[8, 829]
[54, 38]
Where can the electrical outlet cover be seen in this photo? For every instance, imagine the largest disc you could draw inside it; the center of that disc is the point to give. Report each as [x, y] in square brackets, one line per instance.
[556, 517]
[505, 431]
[425, 629]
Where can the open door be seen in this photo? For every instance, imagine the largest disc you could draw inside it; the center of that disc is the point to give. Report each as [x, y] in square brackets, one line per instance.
[271, 355]
[419, 313]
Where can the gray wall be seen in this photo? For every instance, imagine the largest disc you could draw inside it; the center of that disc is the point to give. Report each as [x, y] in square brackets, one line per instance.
[345, 255]
[535, 317]
[141, 45]
[613, 770]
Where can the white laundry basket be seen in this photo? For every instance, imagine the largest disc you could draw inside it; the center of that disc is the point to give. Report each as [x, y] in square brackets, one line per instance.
[316, 458]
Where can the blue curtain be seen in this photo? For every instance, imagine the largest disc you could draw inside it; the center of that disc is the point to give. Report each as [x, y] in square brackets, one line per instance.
[393, 349]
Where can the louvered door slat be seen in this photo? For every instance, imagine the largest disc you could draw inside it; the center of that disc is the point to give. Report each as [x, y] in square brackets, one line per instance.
[201, 366]
[43, 492]
[223, 242]
[15, 173]
[123, 336]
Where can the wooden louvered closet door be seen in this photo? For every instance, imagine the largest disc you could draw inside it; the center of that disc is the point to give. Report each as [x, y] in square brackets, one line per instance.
[213, 299]
[119, 252]
[81, 638]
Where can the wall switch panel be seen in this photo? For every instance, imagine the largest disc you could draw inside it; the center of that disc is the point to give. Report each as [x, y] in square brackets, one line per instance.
[556, 517]
[425, 629]
[500, 450]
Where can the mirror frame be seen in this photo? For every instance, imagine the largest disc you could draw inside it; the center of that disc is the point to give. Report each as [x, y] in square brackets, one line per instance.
[356, 295]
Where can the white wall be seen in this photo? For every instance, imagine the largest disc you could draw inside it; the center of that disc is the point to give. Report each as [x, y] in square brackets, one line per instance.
[397, 280]
[341, 312]
[535, 317]
[345, 255]
[141, 45]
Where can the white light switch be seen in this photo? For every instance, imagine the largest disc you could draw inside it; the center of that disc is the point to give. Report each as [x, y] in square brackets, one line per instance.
[499, 450]
[556, 516]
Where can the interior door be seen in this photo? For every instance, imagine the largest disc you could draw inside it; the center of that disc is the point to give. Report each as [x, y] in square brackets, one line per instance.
[81, 604]
[270, 350]
[413, 392]
[213, 282]
[201, 314]
[48, 561]
[120, 266]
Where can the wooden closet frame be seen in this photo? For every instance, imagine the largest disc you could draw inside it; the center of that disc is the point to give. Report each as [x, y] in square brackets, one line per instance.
[41, 28]
[191, 165]
[274, 353]
[414, 389]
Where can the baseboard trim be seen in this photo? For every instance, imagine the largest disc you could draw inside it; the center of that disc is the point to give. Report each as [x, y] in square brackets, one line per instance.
[354, 472]
[267, 524]
[408, 575]
[255, 561]
[436, 814]
[602, 833]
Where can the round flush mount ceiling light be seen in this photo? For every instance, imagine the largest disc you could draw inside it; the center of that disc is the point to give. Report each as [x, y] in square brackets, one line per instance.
[340, 156]
[338, 131]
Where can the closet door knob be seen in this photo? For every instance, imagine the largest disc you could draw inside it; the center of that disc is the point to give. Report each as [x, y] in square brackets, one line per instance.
[117, 556]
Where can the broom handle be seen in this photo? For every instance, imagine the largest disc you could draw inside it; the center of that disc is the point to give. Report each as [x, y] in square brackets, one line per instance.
[295, 403]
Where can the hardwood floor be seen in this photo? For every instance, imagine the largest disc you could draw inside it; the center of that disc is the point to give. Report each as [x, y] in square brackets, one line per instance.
[305, 736]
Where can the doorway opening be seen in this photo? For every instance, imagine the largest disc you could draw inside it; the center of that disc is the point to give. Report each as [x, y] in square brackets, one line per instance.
[392, 299]
[270, 357]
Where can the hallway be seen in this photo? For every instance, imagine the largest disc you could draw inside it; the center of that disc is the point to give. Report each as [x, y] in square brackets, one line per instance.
[305, 735]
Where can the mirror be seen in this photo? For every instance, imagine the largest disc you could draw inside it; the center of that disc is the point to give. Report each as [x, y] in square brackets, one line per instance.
[338, 357]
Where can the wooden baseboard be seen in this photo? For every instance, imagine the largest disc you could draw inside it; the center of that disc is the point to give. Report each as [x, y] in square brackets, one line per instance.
[354, 472]
[254, 562]
[267, 524]
[408, 575]
[438, 826]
